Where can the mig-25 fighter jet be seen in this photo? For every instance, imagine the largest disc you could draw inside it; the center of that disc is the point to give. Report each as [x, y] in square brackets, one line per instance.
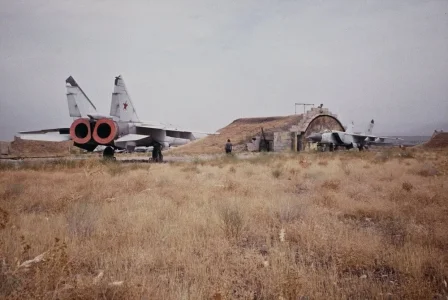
[120, 129]
[348, 139]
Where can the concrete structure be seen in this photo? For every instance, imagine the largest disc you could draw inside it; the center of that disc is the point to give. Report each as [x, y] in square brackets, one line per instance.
[292, 135]
[283, 141]
[5, 148]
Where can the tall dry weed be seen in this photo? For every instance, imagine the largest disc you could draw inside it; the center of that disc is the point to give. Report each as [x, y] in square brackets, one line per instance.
[81, 220]
[277, 173]
[292, 210]
[232, 220]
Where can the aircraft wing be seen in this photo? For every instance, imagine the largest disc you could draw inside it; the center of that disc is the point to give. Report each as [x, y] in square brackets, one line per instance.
[359, 138]
[387, 138]
[381, 139]
[169, 127]
[160, 127]
[49, 135]
[131, 137]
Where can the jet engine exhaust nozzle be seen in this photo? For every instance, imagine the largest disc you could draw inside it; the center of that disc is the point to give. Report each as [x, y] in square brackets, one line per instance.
[80, 131]
[105, 131]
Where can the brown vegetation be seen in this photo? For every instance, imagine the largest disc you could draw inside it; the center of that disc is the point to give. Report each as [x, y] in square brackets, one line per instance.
[275, 226]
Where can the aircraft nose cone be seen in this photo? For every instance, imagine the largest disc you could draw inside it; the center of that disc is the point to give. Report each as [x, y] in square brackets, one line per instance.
[315, 137]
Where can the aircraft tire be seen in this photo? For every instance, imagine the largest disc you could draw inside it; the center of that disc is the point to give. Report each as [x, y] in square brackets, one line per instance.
[109, 153]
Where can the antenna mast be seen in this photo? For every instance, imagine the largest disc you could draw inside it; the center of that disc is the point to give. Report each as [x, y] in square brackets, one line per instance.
[304, 104]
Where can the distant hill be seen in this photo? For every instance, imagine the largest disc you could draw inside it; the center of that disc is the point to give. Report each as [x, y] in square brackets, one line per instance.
[429, 129]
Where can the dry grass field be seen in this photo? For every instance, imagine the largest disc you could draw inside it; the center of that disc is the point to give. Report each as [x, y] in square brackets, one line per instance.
[276, 226]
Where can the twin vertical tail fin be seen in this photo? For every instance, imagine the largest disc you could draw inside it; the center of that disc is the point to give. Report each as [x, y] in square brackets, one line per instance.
[370, 128]
[79, 105]
[121, 106]
[350, 128]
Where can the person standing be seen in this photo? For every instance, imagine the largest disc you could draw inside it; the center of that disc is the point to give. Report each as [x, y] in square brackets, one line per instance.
[228, 147]
[157, 153]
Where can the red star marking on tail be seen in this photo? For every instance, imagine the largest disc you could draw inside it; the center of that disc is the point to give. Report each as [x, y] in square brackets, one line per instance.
[125, 105]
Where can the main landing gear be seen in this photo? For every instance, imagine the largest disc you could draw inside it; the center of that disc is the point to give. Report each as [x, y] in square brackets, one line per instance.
[360, 147]
[157, 155]
[109, 153]
[325, 147]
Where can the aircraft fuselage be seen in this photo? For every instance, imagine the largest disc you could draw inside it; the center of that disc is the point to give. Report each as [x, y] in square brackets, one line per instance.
[337, 139]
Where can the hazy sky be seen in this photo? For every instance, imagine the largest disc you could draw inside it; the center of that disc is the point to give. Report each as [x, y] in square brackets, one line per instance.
[203, 63]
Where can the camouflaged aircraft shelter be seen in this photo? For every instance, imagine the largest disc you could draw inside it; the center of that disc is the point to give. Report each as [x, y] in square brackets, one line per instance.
[291, 132]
